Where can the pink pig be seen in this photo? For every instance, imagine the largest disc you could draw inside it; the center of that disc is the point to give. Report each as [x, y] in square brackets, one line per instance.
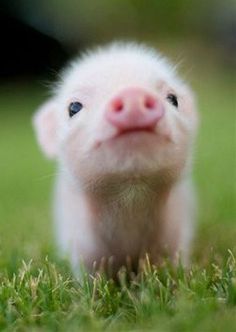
[121, 126]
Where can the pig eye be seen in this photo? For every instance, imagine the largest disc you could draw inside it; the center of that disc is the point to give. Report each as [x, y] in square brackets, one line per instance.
[172, 99]
[74, 108]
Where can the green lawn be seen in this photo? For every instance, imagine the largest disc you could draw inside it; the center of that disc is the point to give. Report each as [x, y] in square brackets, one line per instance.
[42, 295]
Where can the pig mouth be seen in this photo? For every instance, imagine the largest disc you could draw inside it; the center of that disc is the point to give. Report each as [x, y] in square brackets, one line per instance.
[135, 135]
[135, 131]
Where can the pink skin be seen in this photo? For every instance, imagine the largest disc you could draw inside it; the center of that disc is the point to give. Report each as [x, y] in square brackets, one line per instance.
[123, 184]
[134, 109]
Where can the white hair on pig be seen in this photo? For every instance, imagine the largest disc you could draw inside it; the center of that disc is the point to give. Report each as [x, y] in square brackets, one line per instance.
[121, 125]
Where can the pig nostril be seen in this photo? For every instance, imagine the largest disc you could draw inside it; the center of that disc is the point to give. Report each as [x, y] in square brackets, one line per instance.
[118, 105]
[150, 103]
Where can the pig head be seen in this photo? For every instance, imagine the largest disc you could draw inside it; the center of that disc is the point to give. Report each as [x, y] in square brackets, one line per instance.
[122, 126]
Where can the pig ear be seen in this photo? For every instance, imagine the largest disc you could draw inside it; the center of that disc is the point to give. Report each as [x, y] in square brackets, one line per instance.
[46, 126]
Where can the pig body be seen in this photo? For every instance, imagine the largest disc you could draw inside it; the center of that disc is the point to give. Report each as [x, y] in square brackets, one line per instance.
[122, 127]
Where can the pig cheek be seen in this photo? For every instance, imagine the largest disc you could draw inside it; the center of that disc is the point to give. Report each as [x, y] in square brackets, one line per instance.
[183, 147]
[172, 148]
[165, 129]
[82, 152]
[73, 152]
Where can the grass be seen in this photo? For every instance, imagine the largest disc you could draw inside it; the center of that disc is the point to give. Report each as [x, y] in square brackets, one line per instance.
[43, 296]
[37, 290]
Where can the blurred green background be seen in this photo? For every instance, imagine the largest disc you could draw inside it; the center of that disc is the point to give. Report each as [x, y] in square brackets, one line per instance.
[40, 36]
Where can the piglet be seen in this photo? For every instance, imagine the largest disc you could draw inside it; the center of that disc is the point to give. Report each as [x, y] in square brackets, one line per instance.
[122, 126]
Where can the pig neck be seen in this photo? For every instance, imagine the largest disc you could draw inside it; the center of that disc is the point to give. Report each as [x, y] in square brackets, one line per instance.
[128, 218]
[122, 216]
[129, 202]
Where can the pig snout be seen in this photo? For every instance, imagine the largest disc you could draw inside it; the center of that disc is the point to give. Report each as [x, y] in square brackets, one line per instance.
[134, 109]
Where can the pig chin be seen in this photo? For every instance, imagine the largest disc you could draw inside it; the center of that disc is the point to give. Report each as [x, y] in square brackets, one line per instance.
[112, 166]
